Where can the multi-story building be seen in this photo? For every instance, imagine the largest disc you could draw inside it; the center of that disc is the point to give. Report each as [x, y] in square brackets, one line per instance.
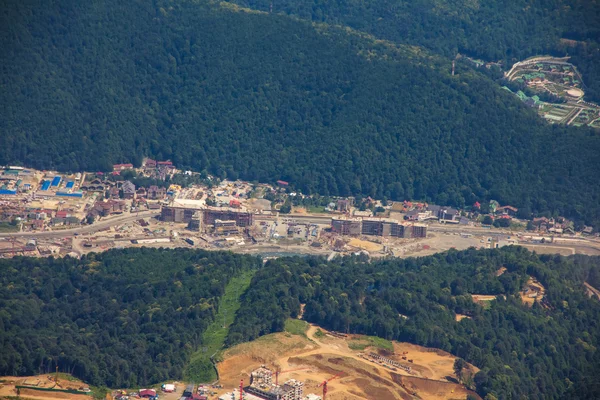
[242, 218]
[377, 227]
[346, 226]
[177, 214]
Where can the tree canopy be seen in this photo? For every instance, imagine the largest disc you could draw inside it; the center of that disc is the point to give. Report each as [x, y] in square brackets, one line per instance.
[244, 94]
[548, 351]
[120, 319]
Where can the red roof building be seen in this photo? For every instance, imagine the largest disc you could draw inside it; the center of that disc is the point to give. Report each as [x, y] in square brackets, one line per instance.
[235, 203]
[282, 183]
[147, 393]
[121, 167]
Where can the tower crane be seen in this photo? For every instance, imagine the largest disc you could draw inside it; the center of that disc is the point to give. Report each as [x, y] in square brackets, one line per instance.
[324, 384]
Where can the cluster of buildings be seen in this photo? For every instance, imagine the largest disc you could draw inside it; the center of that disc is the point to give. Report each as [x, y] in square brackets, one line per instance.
[215, 219]
[263, 387]
[377, 227]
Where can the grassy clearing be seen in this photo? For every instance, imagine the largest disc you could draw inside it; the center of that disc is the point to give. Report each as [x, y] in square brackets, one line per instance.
[200, 368]
[370, 341]
[319, 333]
[316, 209]
[296, 327]
[6, 227]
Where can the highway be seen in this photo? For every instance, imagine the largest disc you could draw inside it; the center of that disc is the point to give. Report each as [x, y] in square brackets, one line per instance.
[98, 226]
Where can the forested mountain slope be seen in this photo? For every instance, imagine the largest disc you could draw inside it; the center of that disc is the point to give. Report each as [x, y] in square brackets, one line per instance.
[508, 31]
[118, 319]
[549, 351]
[266, 97]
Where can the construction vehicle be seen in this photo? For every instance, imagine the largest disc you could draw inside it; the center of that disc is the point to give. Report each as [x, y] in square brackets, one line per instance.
[324, 384]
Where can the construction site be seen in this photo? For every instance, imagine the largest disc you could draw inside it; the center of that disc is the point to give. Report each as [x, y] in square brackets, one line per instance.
[326, 366]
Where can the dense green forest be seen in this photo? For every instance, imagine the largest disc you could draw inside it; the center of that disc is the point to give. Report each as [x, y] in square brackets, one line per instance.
[133, 317]
[120, 318]
[262, 97]
[548, 351]
[506, 31]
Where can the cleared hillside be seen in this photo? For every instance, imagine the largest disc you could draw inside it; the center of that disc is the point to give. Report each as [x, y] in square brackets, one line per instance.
[266, 97]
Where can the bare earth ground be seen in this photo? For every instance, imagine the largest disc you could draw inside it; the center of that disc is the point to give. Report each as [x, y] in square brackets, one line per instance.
[315, 359]
[534, 286]
[8, 388]
[365, 245]
[592, 291]
[460, 317]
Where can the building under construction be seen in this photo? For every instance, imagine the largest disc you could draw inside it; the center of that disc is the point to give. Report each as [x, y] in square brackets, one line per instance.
[261, 385]
[209, 215]
[346, 226]
[377, 227]
[177, 214]
[242, 218]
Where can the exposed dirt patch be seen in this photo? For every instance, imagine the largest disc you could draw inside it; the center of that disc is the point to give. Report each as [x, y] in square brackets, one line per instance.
[354, 378]
[532, 292]
[365, 245]
[500, 271]
[460, 317]
[8, 388]
[591, 291]
[432, 389]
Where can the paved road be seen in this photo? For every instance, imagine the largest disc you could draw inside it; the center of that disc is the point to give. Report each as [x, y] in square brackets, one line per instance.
[86, 228]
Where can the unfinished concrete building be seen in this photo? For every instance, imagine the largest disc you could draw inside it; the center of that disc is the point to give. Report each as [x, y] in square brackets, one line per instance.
[196, 222]
[261, 377]
[225, 227]
[346, 226]
[241, 218]
[261, 385]
[177, 214]
[377, 227]
[418, 231]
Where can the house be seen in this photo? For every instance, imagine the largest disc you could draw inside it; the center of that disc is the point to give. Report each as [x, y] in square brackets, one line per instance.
[122, 167]
[72, 221]
[94, 186]
[165, 165]
[234, 203]
[113, 193]
[507, 210]
[128, 190]
[150, 164]
[412, 215]
[38, 223]
[104, 208]
[62, 214]
[156, 193]
[448, 214]
[343, 205]
[141, 192]
[282, 183]
[588, 230]
[56, 221]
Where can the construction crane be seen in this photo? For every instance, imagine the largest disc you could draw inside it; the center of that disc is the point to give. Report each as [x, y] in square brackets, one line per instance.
[324, 384]
[287, 370]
